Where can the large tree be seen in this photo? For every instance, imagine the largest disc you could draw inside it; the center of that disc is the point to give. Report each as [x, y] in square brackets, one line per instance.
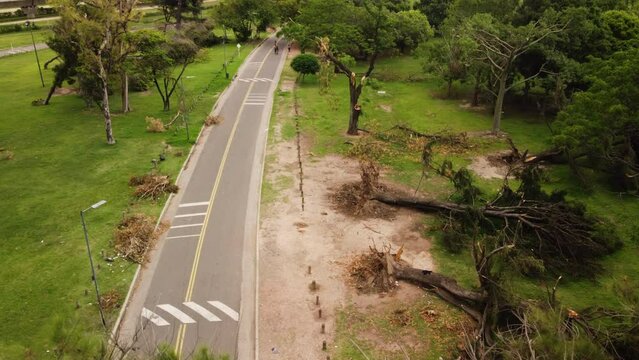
[174, 9]
[361, 29]
[449, 56]
[435, 10]
[64, 41]
[499, 45]
[102, 43]
[603, 122]
[163, 58]
[245, 16]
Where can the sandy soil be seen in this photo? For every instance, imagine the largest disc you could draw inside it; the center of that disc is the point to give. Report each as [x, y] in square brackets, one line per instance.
[490, 166]
[292, 240]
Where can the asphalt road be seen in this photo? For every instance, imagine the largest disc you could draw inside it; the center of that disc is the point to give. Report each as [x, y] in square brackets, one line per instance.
[201, 289]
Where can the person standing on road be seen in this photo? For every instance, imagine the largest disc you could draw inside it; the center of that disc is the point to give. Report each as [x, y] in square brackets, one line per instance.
[276, 48]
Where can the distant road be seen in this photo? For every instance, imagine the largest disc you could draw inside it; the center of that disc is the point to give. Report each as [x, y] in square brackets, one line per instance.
[141, 8]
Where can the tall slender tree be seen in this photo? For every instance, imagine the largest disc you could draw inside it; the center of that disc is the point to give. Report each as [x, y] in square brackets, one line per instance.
[101, 26]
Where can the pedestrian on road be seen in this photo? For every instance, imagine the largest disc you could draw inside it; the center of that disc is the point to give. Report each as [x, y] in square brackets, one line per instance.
[276, 48]
[289, 47]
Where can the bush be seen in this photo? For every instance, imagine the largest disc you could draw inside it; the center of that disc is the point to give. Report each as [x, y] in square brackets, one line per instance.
[305, 64]
[154, 125]
[202, 34]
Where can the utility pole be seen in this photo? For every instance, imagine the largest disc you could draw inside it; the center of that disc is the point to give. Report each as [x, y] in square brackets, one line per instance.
[30, 25]
[224, 46]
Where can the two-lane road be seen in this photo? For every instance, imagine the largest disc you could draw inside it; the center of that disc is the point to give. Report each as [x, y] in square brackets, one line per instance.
[201, 288]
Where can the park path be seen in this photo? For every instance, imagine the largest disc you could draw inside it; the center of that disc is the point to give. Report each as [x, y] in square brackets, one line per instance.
[21, 49]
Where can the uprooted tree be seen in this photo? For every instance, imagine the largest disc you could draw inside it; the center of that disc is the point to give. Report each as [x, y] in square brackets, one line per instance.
[519, 230]
[535, 232]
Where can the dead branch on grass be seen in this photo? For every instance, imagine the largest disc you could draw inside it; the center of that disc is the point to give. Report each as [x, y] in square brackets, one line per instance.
[152, 186]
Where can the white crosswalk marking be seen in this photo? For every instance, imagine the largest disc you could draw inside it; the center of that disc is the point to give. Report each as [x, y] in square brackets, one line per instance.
[250, 80]
[183, 236]
[225, 309]
[184, 318]
[183, 226]
[202, 311]
[177, 313]
[256, 99]
[187, 215]
[194, 204]
[153, 317]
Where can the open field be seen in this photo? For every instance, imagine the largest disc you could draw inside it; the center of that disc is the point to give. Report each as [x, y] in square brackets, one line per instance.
[61, 164]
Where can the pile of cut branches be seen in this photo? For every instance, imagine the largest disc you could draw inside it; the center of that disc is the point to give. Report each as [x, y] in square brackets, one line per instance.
[152, 186]
[110, 300]
[134, 236]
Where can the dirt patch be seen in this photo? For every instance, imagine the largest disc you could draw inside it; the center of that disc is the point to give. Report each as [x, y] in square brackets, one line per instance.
[469, 106]
[61, 91]
[287, 85]
[386, 108]
[489, 167]
[325, 241]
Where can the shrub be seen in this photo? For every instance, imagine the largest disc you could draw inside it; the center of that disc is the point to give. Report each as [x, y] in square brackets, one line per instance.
[305, 64]
[154, 125]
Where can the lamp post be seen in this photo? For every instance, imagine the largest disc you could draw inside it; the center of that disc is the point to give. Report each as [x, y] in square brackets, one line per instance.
[30, 26]
[86, 239]
[224, 45]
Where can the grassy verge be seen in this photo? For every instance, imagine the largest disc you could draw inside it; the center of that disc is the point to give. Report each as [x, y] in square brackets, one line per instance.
[401, 95]
[61, 164]
[427, 329]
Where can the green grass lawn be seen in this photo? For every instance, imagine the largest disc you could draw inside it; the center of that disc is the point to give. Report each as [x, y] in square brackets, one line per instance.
[23, 38]
[411, 98]
[61, 165]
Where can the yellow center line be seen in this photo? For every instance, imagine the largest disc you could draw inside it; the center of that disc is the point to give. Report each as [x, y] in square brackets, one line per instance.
[196, 260]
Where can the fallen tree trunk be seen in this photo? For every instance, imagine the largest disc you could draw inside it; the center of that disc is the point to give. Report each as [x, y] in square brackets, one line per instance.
[447, 288]
[559, 234]
[390, 268]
